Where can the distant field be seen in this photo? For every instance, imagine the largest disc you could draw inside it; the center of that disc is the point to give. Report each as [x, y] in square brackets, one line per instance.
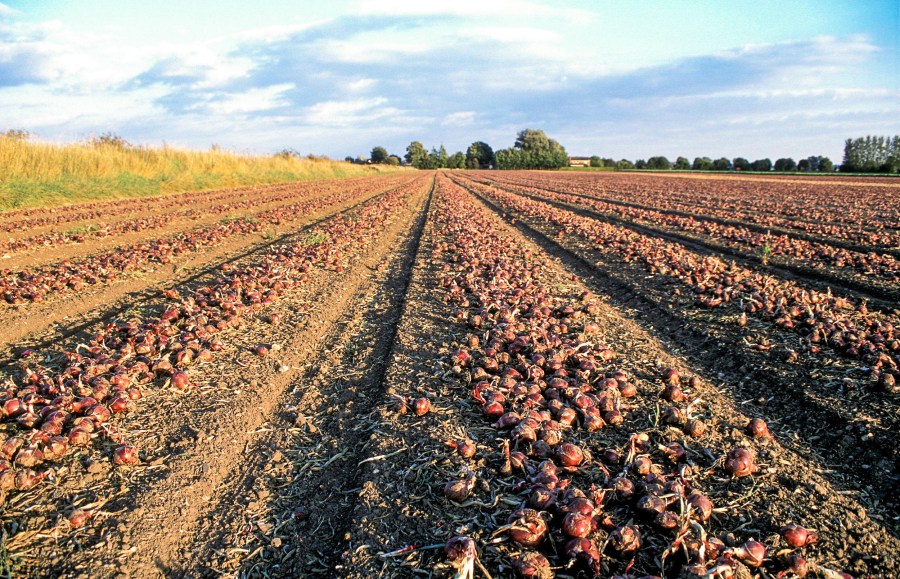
[39, 174]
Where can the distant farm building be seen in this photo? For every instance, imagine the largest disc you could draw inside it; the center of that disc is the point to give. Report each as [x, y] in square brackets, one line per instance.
[579, 161]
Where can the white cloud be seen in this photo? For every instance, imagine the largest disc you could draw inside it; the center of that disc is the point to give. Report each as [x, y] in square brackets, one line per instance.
[460, 119]
[348, 112]
[253, 100]
[360, 85]
[475, 9]
[6, 11]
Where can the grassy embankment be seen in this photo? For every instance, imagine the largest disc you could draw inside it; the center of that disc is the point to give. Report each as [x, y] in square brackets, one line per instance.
[34, 174]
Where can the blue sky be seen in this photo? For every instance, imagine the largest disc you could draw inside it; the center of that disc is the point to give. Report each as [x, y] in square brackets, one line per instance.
[617, 79]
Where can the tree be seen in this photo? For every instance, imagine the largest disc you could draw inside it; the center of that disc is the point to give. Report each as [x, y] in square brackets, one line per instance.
[624, 165]
[722, 164]
[596, 161]
[761, 165]
[682, 164]
[533, 149]
[416, 155]
[379, 155]
[825, 165]
[740, 164]
[640, 164]
[479, 155]
[659, 163]
[804, 165]
[871, 153]
[437, 158]
[457, 161]
[785, 164]
[702, 164]
[393, 161]
[16, 134]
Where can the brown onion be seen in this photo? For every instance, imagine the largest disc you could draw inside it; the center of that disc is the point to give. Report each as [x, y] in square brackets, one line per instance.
[79, 517]
[569, 455]
[532, 565]
[740, 462]
[757, 428]
[459, 490]
[180, 380]
[797, 536]
[126, 454]
[527, 527]
[797, 564]
[421, 406]
[751, 553]
[461, 553]
[625, 539]
[585, 552]
[576, 525]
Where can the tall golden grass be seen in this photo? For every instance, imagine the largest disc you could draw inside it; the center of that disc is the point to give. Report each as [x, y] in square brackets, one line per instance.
[35, 174]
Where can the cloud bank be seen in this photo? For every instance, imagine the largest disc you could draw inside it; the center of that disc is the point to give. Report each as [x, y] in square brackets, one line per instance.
[387, 76]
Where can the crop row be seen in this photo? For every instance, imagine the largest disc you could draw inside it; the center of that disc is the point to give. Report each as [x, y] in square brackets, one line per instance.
[750, 242]
[822, 319]
[51, 403]
[862, 215]
[553, 390]
[167, 211]
[71, 276]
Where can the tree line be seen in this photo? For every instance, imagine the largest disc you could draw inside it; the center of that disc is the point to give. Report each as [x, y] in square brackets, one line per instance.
[533, 149]
[878, 154]
[815, 163]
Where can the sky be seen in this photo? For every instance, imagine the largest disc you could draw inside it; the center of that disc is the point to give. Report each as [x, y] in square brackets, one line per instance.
[622, 79]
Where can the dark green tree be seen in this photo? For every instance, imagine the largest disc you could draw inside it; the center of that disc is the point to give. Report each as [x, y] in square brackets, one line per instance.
[682, 164]
[804, 166]
[659, 163]
[416, 155]
[740, 164]
[624, 165]
[437, 158]
[825, 165]
[457, 161]
[479, 155]
[533, 149]
[379, 155]
[640, 164]
[596, 161]
[722, 164]
[761, 165]
[785, 164]
[702, 164]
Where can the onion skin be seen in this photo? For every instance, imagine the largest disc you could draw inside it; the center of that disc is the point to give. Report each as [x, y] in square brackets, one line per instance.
[421, 406]
[126, 455]
[180, 380]
[751, 553]
[740, 463]
[757, 428]
[459, 490]
[797, 564]
[626, 539]
[461, 552]
[569, 455]
[585, 553]
[532, 565]
[576, 525]
[797, 536]
[79, 517]
[528, 528]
